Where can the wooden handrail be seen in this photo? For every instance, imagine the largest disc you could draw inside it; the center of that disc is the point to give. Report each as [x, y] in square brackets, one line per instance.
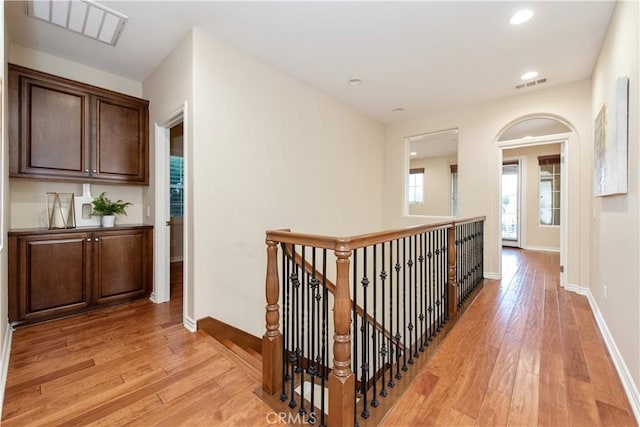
[331, 287]
[345, 244]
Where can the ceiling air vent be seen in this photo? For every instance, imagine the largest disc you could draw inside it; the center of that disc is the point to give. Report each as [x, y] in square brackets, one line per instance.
[531, 83]
[85, 17]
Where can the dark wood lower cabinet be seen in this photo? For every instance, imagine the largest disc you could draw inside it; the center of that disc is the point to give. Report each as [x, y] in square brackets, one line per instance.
[56, 273]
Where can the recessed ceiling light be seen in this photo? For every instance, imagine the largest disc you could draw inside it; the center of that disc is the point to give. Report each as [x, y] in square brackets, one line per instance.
[529, 75]
[398, 110]
[413, 153]
[521, 17]
[355, 81]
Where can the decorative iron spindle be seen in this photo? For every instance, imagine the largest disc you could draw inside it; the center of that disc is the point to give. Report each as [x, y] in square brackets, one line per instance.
[376, 334]
[365, 339]
[409, 325]
[423, 282]
[398, 335]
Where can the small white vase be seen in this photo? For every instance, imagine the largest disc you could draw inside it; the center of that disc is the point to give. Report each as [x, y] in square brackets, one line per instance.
[109, 221]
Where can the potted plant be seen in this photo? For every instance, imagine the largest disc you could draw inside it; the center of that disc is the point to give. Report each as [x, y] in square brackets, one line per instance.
[107, 210]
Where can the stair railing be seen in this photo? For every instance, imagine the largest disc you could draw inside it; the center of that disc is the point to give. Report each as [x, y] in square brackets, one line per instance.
[394, 292]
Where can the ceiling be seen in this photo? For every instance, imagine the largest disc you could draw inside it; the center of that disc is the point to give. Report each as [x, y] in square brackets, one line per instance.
[423, 57]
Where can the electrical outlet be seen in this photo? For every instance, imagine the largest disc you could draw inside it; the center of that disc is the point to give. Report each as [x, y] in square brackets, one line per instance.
[604, 291]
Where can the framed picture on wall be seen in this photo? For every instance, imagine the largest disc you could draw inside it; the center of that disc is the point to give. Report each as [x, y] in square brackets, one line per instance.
[610, 142]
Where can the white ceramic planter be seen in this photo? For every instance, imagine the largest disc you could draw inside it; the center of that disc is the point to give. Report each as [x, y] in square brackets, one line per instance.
[109, 221]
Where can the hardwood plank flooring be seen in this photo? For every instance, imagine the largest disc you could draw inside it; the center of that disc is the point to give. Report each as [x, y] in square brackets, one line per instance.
[525, 353]
[127, 365]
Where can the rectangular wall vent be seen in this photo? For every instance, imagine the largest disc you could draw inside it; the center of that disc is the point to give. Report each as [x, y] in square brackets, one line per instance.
[531, 83]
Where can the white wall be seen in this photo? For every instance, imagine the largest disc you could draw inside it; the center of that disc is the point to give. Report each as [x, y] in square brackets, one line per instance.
[28, 206]
[269, 152]
[615, 249]
[30, 58]
[479, 165]
[536, 236]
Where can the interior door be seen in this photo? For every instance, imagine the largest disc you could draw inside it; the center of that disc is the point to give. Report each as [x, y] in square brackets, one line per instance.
[511, 203]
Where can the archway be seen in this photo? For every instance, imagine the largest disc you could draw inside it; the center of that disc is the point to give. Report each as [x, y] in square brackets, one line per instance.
[525, 133]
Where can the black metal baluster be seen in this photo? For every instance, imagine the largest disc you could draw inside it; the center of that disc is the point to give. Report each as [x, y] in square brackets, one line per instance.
[432, 307]
[404, 307]
[443, 273]
[409, 326]
[439, 279]
[422, 282]
[398, 335]
[375, 354]
[325, 347]
[365, 338]
[391, 334]
[293, 352]
[385, 351]
[305, 325]
[415, 299]
[315, 301]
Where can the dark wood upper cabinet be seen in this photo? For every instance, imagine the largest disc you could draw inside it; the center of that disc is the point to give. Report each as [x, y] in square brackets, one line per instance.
[66, 130]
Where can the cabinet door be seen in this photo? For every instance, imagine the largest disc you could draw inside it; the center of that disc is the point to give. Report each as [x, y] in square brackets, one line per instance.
[121, 265]
[54, 275]
[53, 129]
[120, 150]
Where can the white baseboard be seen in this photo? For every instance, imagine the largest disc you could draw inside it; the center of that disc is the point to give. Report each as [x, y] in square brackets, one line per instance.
[4, 362]
[541, 248]
[492, 275]
[153, 298]
[629, 385]
[190, 324]
[580, 290]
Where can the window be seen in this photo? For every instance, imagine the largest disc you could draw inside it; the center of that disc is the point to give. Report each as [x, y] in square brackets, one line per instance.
[416, 185]
[454, 190]
[549, 190]
[176, 186]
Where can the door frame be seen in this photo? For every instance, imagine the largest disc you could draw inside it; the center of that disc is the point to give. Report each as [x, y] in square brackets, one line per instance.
[162, 283]
[522, 205]
[562, 139]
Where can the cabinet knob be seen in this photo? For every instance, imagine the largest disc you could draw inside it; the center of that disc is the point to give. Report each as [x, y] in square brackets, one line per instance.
[95, 240]
[88, 240]
[86, 170]
[94, 171]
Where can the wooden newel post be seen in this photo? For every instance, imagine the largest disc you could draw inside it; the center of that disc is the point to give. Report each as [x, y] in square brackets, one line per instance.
[341, 378]
[272, 339]
[452, 287]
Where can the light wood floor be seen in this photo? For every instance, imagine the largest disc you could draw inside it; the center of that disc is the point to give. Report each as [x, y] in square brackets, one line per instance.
[525, 353]
[128, 365]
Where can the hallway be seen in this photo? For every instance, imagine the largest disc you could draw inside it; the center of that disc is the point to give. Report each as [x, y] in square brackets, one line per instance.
[525, 353]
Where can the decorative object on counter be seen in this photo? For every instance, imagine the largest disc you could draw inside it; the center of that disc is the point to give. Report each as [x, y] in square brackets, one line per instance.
[60, 210]
[107, 210]
[84, 209]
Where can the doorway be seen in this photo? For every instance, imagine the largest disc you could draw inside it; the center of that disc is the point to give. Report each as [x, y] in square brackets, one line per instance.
[173, 245]
[176, 209]
[530, 132]
[511, 203]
